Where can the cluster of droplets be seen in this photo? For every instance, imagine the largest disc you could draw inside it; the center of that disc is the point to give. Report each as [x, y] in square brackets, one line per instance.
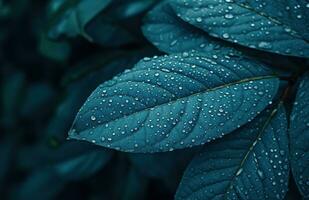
[299, 132]
[240, 24]
[173, 35]
[257, 165]
[173, 102]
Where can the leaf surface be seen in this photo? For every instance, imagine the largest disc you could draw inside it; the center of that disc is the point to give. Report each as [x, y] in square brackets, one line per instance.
[275, 26]
[250, 163]
[299, 137]
[174, 102]
[173, 35]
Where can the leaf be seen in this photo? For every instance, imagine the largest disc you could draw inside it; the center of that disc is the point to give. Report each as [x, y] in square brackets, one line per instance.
[277, 26]
[57, 51]
[106, 33]
[70, 17]
[124, 9]
[102, 68]
[251, 163]
[39, 185]
[174, 102]
[73, 160]
[170, 34]
[299, 135]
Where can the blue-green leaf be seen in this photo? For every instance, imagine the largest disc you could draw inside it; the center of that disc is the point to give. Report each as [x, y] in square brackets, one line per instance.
[275, 26]
[250, 163]
[174, 102]
[42, 184]
[70, 17]
[172, 35]
[73, 160]
[102, 68]
[299, 137]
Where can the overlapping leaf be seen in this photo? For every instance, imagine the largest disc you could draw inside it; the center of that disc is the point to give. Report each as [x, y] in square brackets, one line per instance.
[174, 102]
[275, 26]
[172, 35]
[250, 163]
[299, 137]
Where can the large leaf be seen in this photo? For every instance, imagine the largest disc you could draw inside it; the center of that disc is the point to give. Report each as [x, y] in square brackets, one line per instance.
[102, 67]
[174, 102]
[275, 26]
[172, 35]
[299, 137]
[251, 163]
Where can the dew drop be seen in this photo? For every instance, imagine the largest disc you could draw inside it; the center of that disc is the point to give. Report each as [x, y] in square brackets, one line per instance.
[239, 172]
[199, 19]
[225, 35]
[229, 16]
[265, 45]
[261, 174]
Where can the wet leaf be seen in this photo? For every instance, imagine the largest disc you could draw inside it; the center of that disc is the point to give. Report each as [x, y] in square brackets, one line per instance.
[173, 35]
[299, 135]
[274, 26]
[250, 163]
[174, 102]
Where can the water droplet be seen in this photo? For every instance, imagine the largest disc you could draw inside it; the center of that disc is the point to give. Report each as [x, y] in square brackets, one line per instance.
[261, 174]
[265, 45]
[199, 19]
[147, 59]
[225, 35]
[185, 54]
[93, 118]
[239, 172]
[229, 16]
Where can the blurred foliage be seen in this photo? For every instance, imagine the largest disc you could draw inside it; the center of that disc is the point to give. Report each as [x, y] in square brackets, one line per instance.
[50, 63]
[53, 54]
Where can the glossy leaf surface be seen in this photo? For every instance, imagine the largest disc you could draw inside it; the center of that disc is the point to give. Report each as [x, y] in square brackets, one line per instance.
[174, 102]
[173, 35]
[299, 137]
[275, 26]
[250, 163]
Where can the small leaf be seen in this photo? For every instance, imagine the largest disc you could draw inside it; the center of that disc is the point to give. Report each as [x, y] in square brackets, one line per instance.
[170, 34]
[174, 102]
[252, 23]
[70, 17]
[299, 136]
[251, 163]
[73, 160]
[42, 184]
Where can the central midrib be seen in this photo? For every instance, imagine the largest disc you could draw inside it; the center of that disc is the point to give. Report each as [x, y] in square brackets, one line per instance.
[273, 19]
[195, 94]
[251, 147]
